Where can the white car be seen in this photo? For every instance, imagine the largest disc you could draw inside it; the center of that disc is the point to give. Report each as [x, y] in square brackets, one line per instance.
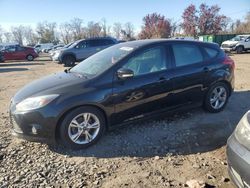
[239, 44]
[41, 47]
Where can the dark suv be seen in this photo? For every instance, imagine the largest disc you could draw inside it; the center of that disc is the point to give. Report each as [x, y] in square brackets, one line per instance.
[122, 83]
[82, 49]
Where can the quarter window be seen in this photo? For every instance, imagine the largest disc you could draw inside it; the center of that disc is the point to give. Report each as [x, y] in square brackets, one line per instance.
[211, 52]
[186, 54]
[149, 61]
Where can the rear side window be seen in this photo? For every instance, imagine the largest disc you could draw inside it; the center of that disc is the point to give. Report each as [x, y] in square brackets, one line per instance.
[100, 42]
[211, 53]
[186, 54]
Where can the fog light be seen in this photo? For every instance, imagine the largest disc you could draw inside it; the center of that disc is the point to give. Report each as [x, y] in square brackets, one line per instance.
[35, 128]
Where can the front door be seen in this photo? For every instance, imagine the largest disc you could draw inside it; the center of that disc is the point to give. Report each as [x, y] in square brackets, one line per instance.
[148, 90]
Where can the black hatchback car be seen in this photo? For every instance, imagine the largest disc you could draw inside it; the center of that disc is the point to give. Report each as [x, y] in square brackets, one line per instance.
[122, 83]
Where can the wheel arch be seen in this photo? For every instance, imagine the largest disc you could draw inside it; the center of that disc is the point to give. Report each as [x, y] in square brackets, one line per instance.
[68, 54]
[57, 136]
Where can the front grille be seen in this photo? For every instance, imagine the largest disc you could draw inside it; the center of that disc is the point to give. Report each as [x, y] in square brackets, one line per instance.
[225, 46]
[14, 124]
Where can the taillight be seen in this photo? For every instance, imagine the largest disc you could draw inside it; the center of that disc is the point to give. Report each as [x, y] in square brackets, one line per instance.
[229, 61]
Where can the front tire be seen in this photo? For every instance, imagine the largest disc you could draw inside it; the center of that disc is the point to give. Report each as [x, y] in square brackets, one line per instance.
[69, 61]
[216, 98]
[30, 57]
[239, 49]
[82, 127]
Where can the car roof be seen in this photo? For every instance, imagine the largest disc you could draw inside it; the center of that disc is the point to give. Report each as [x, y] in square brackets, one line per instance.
[243, 35]
[94, 38]
[141, 43]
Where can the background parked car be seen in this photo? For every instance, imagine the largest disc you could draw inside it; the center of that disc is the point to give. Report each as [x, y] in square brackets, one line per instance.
[54, 53]
[41, 47]
[82, 49]
[238, 153]
[17, 52]
[240, 43]
[56, 47]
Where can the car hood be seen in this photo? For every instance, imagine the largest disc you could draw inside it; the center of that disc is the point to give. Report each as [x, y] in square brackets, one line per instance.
[229, 42]
[51, 82]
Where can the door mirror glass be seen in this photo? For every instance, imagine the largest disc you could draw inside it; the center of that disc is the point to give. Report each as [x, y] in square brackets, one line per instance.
[247, 40]
[125, 73]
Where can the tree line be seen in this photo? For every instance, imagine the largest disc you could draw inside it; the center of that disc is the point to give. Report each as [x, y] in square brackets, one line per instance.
[195, 21]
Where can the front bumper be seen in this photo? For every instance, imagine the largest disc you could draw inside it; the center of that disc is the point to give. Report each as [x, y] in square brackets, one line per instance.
[238, 163]
[38, 125]
[228, 49]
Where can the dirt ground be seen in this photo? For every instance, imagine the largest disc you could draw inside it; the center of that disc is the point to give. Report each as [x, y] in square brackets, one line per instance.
[163, 152]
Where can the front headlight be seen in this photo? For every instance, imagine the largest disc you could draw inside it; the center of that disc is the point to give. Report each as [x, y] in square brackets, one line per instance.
[57, 53]
[232, 45]
[242, 131]
[35, 102]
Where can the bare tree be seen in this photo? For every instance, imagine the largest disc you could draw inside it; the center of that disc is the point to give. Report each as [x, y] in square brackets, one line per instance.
[30, 36]
[77, 30]
[117, 28]
[18, 34]
[65, 31]
[93, 29]
[104, 27]
[46, 32]
[8, 37]
[1, 34]
[128, 31]
[243, 27]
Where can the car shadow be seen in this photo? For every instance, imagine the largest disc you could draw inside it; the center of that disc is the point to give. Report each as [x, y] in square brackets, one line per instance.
[3, 70]
[18, 64]
[195, 131]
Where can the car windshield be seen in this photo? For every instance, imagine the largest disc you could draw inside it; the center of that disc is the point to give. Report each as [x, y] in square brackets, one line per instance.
[101, 61]
[238, 38]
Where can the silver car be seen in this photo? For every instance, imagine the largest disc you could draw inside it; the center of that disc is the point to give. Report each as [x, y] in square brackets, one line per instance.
[238, 153]
[82, 49]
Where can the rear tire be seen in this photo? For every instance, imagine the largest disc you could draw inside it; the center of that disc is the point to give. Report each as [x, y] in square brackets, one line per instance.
[30, 57]
[216, 97]
[88, 123]
[69, 61]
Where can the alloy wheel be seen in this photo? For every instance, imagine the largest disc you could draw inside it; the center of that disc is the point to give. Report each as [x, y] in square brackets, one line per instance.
[84, 128]
[218, 97]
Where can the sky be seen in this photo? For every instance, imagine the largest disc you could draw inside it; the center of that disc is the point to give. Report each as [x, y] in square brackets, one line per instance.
[30, 12]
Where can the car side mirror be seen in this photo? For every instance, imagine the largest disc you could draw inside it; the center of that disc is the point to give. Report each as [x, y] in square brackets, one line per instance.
[247, 40]
[125, 73]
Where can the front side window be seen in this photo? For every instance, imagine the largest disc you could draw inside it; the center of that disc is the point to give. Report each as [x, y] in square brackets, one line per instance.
[186, 54]
[151, 60]
[83, 44]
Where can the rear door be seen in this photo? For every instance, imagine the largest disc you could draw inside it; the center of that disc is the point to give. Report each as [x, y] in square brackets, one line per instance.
[189, 73]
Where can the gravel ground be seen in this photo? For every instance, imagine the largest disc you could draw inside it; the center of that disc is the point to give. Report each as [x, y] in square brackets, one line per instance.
[162, 152]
